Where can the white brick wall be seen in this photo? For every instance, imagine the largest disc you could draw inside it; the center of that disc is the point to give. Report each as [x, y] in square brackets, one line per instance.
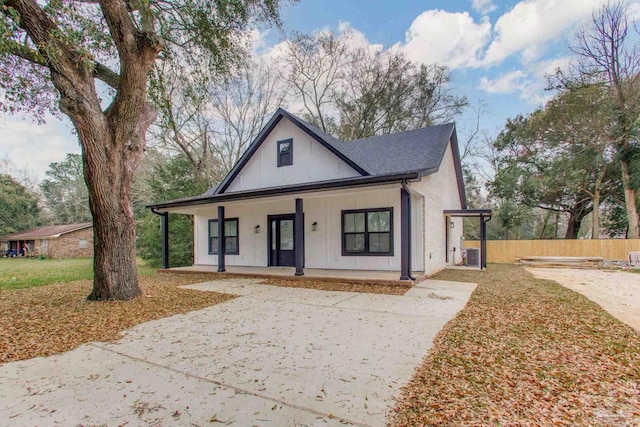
[440, 192]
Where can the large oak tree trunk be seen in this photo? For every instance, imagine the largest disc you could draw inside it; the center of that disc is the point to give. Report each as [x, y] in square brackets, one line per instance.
[109, 161]
[109, 181]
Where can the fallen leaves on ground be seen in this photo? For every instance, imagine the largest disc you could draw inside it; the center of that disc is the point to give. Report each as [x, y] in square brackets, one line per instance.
[51, 319]
[525, 352]
[346, 286]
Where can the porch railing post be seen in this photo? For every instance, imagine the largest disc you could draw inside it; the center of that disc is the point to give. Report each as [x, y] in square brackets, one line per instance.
[298, 238]
[405, 235]
[221, 248]
[483, 243]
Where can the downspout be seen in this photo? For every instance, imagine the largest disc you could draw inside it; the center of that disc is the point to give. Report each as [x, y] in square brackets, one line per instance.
[485, 220]
[404, 186]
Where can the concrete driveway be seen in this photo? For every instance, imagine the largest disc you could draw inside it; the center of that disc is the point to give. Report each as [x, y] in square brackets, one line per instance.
[274, 356]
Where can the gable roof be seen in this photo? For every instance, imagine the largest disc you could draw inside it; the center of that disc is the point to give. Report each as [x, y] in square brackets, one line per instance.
[417, 151]
[46, 232]
[326, 140]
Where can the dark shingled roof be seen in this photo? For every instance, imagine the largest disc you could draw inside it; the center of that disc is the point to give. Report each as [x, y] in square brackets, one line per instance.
[49, 231]
[419, 150]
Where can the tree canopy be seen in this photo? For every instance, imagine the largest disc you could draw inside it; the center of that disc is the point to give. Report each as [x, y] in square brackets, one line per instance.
[65, 192]
[19, 207]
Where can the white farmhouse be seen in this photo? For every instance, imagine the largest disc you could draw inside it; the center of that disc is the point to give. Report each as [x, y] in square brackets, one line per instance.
[300, 198]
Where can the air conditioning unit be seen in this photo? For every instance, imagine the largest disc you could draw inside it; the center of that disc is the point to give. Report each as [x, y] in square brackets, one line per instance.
[473, 257]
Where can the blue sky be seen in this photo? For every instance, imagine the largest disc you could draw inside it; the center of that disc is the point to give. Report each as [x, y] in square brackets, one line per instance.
[498, 51]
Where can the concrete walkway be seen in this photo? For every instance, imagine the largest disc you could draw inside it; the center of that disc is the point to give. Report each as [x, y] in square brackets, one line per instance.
[274, 356]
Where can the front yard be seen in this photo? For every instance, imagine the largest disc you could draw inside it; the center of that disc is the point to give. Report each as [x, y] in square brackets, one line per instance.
[525, 351]
[44, 320]
[17, 273]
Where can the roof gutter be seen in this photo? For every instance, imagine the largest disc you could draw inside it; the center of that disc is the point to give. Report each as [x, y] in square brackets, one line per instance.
[296, 188]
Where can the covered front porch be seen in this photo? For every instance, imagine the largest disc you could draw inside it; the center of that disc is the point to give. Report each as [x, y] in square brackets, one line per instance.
[355, 233]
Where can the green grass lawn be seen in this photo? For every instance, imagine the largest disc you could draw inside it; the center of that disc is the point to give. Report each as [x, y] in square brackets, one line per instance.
[16, 273]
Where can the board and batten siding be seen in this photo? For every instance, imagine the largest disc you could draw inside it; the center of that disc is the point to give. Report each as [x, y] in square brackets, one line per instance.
[311, 162]
[440, 192]
[323, 247]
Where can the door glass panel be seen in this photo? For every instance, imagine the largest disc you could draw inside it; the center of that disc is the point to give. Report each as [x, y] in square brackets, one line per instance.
[273, 235]
[286, 235]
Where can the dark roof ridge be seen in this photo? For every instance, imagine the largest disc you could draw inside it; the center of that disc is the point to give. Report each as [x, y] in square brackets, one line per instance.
[452, 124]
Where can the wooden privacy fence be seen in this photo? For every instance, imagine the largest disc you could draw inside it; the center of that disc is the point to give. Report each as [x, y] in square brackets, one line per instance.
[506, 251]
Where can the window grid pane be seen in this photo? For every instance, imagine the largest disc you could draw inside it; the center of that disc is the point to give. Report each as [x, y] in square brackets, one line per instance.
[378, 221]
[230, 227]
[231, 244]
[355, 242]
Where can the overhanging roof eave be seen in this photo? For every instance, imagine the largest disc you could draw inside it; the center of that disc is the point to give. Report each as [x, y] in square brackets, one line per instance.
[291, 189]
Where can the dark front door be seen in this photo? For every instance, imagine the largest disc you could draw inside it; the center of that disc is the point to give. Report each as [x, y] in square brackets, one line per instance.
[281, 240]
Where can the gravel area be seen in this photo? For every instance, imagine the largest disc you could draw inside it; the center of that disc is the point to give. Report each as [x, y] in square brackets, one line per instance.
[618, 292]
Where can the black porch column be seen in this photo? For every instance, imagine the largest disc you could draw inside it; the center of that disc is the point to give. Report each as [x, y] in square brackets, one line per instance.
[164, 230]
[221, 268]
[298, 238]
[405, 235]
[483, 244]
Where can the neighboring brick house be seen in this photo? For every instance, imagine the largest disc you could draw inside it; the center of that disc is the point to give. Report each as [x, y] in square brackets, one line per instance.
[53, 241]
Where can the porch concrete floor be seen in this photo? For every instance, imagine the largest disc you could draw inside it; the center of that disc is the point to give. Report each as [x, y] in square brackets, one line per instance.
[271, 357]
[309, 273]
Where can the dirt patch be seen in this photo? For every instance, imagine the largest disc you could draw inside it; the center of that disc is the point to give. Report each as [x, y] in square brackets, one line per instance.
[525, 351]
[51, 319]
[323, 285]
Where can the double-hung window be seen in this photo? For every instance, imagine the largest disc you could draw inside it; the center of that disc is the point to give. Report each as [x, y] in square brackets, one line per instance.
[367, 232]
[231, 246]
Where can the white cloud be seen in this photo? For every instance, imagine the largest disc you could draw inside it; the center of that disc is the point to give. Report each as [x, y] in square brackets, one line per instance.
[452, 39]
[358, 39]
[531, 23]
[506, 83]
[529, 88]
[483, 6]
[33, 147]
